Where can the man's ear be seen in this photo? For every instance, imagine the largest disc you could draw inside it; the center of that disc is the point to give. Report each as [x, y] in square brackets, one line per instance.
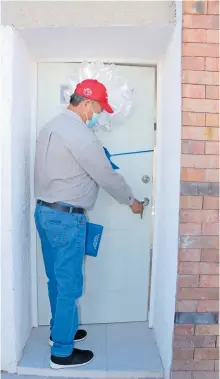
[87, 102]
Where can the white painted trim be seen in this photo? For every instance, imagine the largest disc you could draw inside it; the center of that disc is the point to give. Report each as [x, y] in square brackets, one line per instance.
[163, 319]
[119, 61]
[34, 303]
[156, 180]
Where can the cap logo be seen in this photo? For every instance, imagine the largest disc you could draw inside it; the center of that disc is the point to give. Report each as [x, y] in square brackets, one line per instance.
[87, 92]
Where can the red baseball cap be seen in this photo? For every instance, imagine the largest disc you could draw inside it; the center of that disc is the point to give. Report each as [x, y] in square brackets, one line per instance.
[94, 90]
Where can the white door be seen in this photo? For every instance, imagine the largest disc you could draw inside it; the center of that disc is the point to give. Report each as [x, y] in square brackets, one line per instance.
[117, 281]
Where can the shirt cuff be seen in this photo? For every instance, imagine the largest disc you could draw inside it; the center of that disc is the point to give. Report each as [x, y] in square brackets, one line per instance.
[131, 200]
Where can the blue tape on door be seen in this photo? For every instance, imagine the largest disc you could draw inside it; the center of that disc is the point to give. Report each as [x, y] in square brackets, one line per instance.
[132, 152]
[108, 155]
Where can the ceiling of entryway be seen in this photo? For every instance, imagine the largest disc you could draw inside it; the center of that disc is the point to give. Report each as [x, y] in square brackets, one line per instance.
[104, 43]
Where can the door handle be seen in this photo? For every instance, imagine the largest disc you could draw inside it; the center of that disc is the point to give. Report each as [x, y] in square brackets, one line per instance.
[145, 203]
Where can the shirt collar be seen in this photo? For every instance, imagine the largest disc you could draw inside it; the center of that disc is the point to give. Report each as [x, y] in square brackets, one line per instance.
[73, 115]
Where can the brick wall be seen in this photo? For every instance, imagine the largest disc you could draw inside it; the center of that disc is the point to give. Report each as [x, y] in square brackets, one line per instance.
[195, 346]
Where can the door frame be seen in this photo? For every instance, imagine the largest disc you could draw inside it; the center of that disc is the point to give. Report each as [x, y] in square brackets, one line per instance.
[33, 135]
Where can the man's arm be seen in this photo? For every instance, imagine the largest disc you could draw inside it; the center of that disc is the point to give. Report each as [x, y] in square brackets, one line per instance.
[94, 161]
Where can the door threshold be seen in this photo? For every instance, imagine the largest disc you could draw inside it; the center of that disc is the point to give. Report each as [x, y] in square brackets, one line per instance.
[122, 351]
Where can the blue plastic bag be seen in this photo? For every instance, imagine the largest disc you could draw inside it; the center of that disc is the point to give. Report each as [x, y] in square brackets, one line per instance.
[93, 239]
[108, 155]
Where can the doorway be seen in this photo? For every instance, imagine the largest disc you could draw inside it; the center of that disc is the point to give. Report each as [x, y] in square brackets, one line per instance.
[117, 281]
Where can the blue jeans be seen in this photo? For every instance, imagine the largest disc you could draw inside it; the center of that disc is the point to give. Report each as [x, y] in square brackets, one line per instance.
[63, 237]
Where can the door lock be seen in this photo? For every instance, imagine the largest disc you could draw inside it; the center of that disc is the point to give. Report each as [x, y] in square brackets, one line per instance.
[146, 202]
[145, 179]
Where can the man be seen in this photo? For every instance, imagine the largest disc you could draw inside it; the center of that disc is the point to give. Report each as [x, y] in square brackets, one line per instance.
[70, 166]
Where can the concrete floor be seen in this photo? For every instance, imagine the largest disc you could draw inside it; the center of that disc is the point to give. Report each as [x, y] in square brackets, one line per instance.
[122, 351]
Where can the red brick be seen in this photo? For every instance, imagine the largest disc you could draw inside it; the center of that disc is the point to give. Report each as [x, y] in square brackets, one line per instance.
[183, 353]
[196, 268]
[212, 120]
[193, 63]
[199, 242]
[205, 375]
[194, 91]
[207, 330]
[187, 229]
[210, 229]
[212, 64]
[213, 7]
[190, 6]
[210, 255]
[208, 268]
[210, 216]
[188, 281]
[212, 36]
[191, 202]
[212, 148]
[207, 306]
[192, 175]
[189, 255]
[186, 306]
[193, 119]
[209, 281]
[200, 134]
[201, 77]
[193, 147]
[184, 330]
[212, 92]
[200, 161]
[211, 202]
[200, 105]
[205, 353]
[194, 35]
[199, 175]
[201, 21]
[206, 365]
[198, 294]
[200, 50]
[217, 365]
[194, 341]
[211, 175]
[181, 374]
[197, 216]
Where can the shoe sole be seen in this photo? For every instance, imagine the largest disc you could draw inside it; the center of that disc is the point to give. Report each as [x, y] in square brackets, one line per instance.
[82, 339]
[55, 366]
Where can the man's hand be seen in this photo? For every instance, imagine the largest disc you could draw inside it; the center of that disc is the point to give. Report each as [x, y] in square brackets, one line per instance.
[137, 207]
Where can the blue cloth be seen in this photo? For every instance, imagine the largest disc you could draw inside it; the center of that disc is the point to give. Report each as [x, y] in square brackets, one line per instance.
[63, 238]
[108, 155]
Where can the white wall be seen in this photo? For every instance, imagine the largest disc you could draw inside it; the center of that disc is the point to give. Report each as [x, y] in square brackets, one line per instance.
[78, 13]
[15, 129]
[165, 248]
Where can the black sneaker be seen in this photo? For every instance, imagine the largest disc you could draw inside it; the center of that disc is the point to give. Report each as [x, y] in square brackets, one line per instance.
[80, 335]
[76, 359]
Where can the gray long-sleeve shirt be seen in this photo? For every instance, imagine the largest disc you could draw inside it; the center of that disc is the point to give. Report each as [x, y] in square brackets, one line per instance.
[70, 165]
